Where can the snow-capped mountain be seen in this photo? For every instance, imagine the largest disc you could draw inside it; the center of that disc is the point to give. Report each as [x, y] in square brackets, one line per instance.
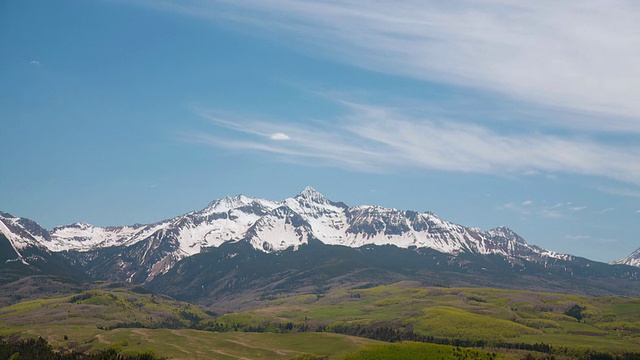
[269, 226]
[274, 226]
[633, 259]
[22, 235]
[22, 252]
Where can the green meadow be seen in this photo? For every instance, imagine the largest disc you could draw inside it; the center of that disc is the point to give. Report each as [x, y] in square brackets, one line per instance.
[315, 326]
[492, 315]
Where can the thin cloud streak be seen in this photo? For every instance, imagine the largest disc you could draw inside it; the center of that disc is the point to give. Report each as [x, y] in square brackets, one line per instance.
[557, 211]
[577, 237]
[576, 56]
[376, 139]
[626, 192]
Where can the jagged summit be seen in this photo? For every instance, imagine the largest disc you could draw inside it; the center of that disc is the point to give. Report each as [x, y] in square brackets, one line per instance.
[506, 233]
[309, 193]
[227, 203]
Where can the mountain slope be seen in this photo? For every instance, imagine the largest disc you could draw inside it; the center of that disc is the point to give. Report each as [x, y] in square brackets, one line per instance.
[236, 275]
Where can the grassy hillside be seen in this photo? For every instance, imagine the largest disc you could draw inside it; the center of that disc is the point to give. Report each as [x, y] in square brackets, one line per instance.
[133, 322]
[491, 315]
[101, 309]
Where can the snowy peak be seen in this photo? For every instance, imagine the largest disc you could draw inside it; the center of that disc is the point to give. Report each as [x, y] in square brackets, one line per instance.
[310, 194]
[633, 259]
[21, 232]
[227, 203]
[238, 202]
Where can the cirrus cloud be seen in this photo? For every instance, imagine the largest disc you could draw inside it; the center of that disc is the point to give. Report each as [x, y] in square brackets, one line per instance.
[576, 56]
[380, 139]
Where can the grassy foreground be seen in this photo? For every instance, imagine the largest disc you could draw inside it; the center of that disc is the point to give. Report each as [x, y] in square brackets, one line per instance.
[317, 325]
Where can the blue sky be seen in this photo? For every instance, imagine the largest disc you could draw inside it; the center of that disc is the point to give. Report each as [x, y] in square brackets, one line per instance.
[487, 113]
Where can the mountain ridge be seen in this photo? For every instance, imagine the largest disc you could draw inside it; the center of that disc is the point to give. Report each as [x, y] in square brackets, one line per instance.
[142, 252]
[316, 209]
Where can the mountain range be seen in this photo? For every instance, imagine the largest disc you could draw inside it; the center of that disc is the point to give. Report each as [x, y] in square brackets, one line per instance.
[206, 254]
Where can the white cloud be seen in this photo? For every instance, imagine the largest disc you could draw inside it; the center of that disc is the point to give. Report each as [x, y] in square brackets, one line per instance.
[577, 237]
[638, 211]
[35, 62]
[527, 202]
[569, 55]
[577, 208]
[379, 139]
[279, 136]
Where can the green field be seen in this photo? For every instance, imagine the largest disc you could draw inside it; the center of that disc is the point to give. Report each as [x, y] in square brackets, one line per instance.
[290, 326]
[606, 323]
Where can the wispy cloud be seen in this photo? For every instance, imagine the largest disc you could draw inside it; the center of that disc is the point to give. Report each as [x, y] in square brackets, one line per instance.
[35, 63]
[577, 237]
[380, 139]
[575, 60]
[517, 208]
[530, 208]
[552, 212]
[577, 56]
[621, 191]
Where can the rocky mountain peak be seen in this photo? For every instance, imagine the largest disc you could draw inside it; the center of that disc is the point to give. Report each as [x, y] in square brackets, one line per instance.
[311, 194]
[504, 233]
[228, 203]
